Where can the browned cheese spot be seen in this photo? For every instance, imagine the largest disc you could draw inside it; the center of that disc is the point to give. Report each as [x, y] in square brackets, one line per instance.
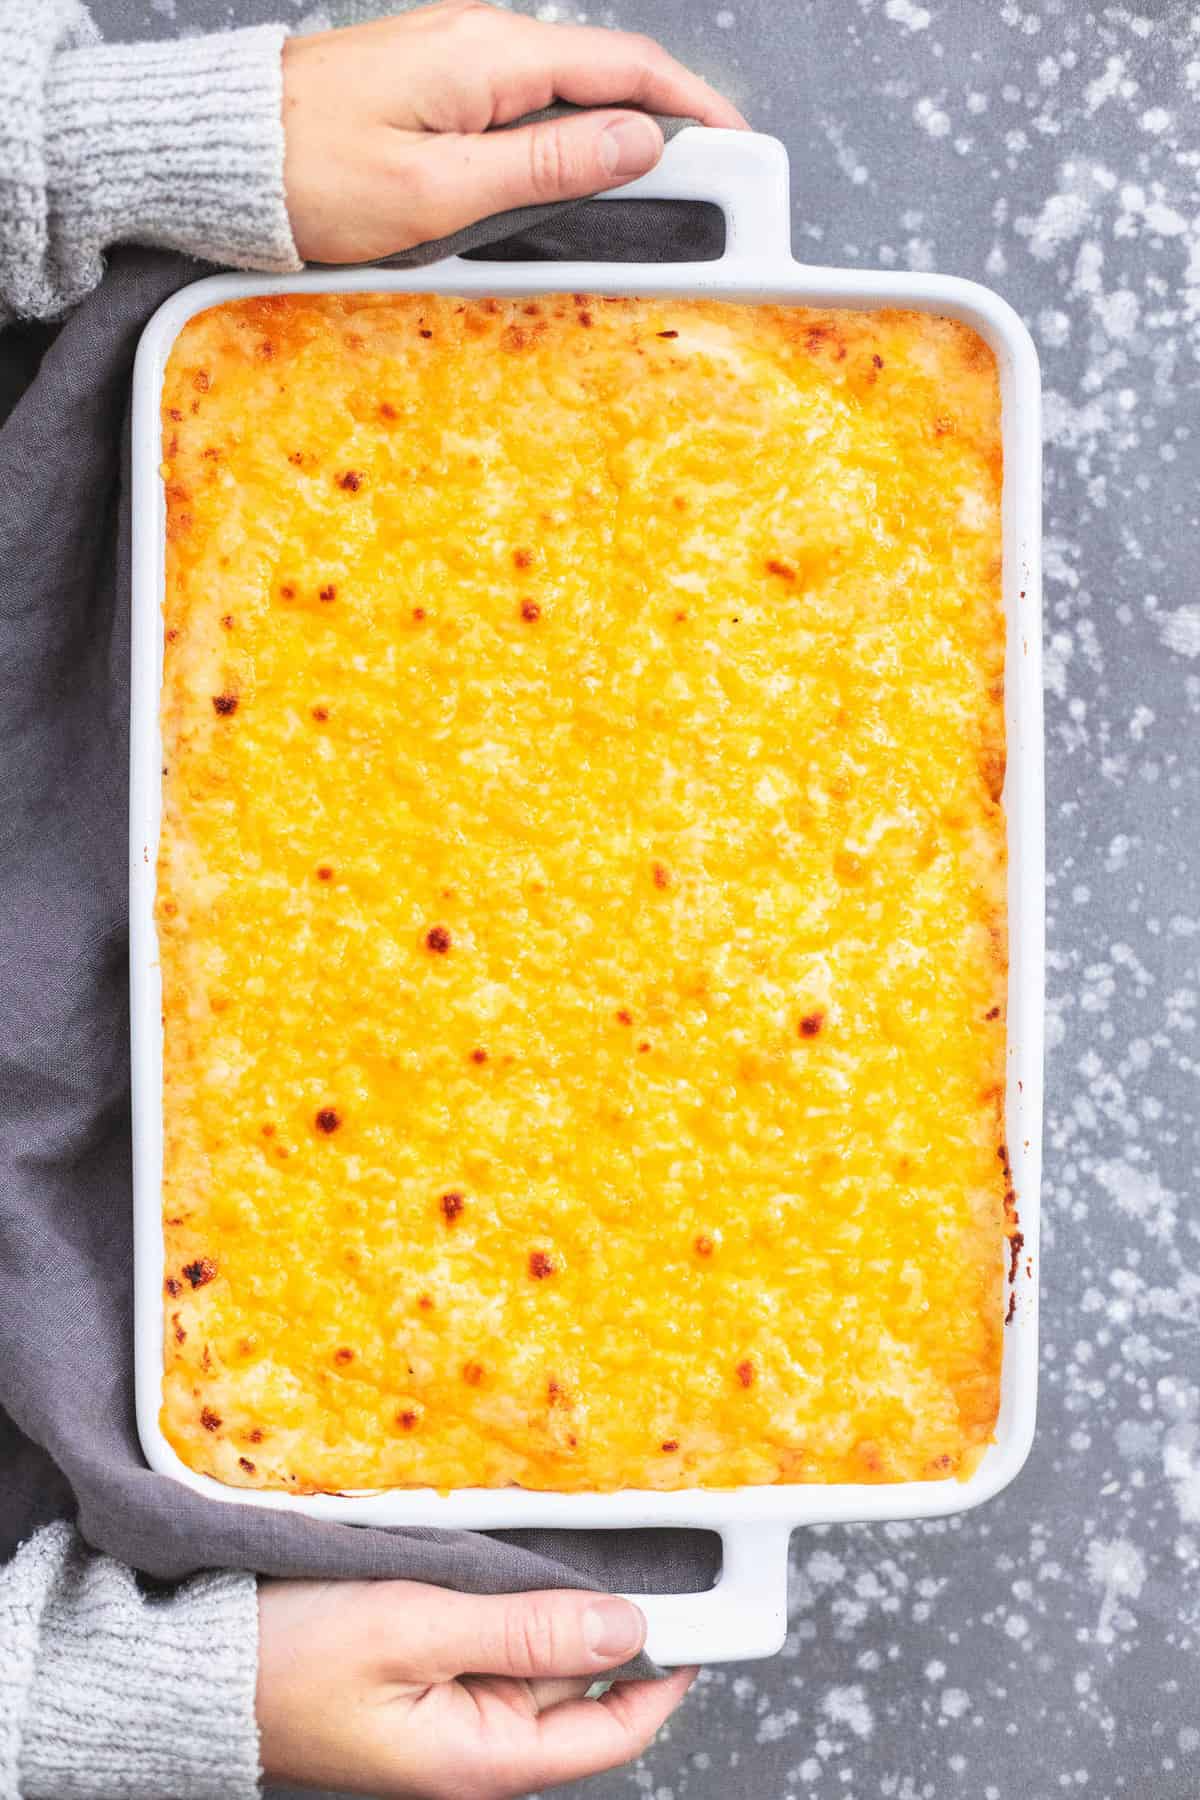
[1016, 1244]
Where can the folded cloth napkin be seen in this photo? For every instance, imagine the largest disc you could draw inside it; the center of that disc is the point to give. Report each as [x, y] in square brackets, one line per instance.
[68, 1444]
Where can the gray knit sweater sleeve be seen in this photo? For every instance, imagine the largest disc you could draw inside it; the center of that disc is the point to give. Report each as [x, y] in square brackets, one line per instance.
[178, 144]
[108, 1694]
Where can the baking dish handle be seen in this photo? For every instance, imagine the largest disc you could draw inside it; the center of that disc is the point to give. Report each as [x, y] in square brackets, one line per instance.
[740, 1619]
[745, 173]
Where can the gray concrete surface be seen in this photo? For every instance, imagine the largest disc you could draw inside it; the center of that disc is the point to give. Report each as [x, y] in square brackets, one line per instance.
[1047, 1645]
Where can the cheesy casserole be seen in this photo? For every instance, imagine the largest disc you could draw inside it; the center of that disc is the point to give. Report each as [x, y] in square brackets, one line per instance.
[581, 894]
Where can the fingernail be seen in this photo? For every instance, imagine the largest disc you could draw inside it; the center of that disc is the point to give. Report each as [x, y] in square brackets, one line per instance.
[613, 1628]
[629, 147]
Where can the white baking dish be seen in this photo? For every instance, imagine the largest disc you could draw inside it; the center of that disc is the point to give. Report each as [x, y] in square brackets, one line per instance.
[745, 1614]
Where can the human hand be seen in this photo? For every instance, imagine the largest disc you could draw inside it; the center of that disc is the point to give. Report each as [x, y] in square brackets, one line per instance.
[410, 1692]
[383, 122]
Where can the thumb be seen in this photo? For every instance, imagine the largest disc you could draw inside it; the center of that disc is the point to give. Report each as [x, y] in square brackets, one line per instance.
[471, 176]
[536, 1635]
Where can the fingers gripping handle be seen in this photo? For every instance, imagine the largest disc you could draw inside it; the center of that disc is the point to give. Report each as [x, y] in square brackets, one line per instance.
[742, 1618]
[742, 172]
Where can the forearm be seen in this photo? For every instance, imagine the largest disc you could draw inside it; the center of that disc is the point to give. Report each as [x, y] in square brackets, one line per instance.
[109, 1694]
[178, 144]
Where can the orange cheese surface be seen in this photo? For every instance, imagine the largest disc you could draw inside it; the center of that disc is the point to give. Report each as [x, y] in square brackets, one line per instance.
[581, 894]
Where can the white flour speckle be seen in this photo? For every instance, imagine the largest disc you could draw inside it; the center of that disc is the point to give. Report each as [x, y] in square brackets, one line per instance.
[1054, 327]
[1140, 1195]
[848, 1706]
[903, 12]
[1119, 312]
[1180, 630]
[931, 118]
[1114, 80]
[1181, 1466]
[1118, 1568]
[847, 162]
[824, 1568]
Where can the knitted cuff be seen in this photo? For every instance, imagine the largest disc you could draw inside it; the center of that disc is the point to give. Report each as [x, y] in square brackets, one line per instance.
[132, 1697]
[30, 37]
[178, 144]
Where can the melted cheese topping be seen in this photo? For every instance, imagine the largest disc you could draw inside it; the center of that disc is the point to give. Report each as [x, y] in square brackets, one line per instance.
[581, 894]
